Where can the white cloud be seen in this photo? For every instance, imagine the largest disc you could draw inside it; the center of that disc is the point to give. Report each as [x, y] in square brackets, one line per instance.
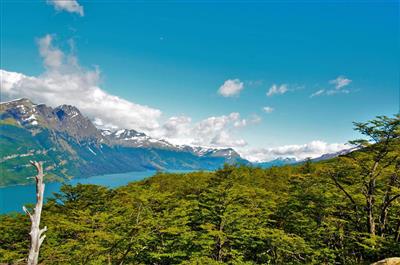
[268, 109]
[53, 57]
[215, 131]
[329, 92]
[317, 93]
[230, 88]
[340, 82]
[254, 119]
[177, 130]
[277, 90]
[65, 82]
[312, 149]
[337, 91]
[226, 140]
[71, 6]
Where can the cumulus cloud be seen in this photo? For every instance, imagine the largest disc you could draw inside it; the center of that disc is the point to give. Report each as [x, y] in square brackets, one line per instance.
[65, 82]
[71, 6]
[277, 90]
[226, 140]
[312, 149]
[176, 129]
[268, 109]
[215, 131]
[108, 111]
[340, 82]
[230, 88]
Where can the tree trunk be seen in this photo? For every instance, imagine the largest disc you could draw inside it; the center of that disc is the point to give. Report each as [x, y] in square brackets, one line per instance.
[36, 232]
[370, 207]
[370, 200]
[383, 221]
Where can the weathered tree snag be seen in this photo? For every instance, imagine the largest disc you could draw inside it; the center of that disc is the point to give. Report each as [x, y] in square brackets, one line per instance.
[36, 232]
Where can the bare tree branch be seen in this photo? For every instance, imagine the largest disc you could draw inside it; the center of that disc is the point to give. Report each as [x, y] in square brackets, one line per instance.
[36, 232]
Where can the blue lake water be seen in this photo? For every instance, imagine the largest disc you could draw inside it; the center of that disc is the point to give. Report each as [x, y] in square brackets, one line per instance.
[12, 198]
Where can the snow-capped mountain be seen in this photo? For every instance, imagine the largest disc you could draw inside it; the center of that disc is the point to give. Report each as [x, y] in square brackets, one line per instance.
[133, 138]
[336, 154]
[63, 118]
[71, 145]
[280, 161]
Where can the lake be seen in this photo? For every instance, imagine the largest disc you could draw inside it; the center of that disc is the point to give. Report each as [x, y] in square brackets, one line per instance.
[12, 198]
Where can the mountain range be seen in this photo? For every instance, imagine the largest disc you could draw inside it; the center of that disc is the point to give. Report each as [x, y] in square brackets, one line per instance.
[71, 146]
[281, 161]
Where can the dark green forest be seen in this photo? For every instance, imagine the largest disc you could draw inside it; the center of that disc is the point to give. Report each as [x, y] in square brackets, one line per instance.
[345, 210]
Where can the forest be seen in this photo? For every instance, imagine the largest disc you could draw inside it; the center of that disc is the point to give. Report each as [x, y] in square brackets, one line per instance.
[345, 210]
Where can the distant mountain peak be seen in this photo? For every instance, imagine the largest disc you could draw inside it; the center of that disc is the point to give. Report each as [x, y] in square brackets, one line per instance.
[64, 118]
[279, 161]
[127, 134]
[22, 110]
[67, 111]
[336, 154]
[133, 138]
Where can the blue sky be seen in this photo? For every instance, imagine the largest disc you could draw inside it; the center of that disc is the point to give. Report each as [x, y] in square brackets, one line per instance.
[174, 57]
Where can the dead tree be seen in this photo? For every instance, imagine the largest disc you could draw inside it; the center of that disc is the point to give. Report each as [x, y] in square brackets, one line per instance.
[36, 233]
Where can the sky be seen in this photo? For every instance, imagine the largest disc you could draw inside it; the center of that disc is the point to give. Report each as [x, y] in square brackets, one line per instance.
[268, 78]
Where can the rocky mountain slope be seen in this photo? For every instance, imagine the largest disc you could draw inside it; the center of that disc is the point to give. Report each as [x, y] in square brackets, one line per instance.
[71, 146]
[336, 154]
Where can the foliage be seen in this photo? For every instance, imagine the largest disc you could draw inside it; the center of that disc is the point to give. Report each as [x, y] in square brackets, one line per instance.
[313, 213]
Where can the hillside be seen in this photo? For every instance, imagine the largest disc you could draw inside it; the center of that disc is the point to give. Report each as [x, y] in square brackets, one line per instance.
[236, 215]
[71, 146]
